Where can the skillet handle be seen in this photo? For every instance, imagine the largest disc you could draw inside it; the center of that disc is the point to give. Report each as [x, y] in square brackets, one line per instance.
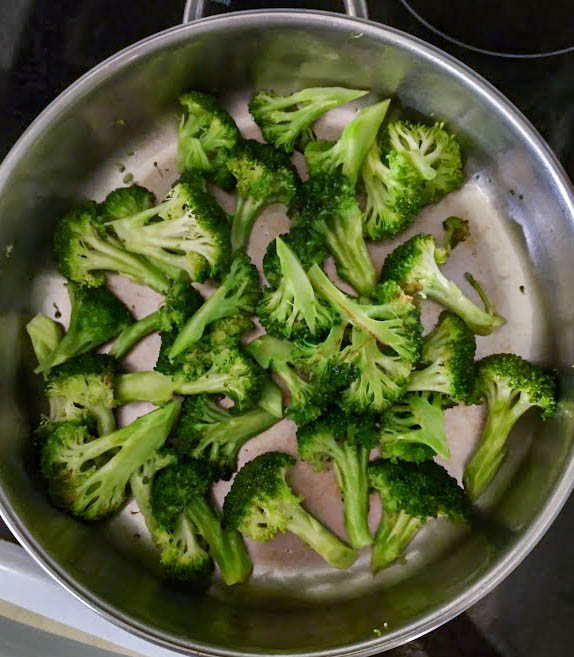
[195, 9]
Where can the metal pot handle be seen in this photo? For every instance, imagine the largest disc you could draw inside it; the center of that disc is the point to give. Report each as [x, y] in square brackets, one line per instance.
[195, 9]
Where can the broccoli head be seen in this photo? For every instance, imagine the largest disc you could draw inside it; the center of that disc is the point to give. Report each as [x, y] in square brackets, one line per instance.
[414, 266]
[261, 504]
[510, 385]
[411, 493]
[125, 202]
[286, 120]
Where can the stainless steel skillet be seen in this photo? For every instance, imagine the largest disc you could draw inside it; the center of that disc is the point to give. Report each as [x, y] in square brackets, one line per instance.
[521, 207]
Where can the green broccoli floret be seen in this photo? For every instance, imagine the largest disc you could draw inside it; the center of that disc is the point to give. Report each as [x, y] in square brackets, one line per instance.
[261, 504]
[264, 176]
[394, 194]
[381, 379]
[307, 398]
[510, 385]
[393, 319]
[183, 555]
[228, 331]
[125, 202]
[83, 387]
[327, 206]
[88, 476]
[306, 246]
[96, 317]
[84, 250]
[447, 360]
[346, 441]
[292, 310]
[187, 232]
[181, 302]
[206, 430]
[456, 230]
[347, 154]
[224, 371]
[205, 136]
[183, 491]
[414, 266]
[45, 335]
[411, 493]
[238, 293]
[413, 429]
[287, 120]
[433, 152]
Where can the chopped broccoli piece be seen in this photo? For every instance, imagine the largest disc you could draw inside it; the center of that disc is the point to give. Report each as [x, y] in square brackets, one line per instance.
[261, 504]
[238, 294]
[264, 176]
[433, 152]
[346, 441]
[347, 154]
[206, 430]
[272, 399]
[327, 206]
[187, 232]
[447, 360]
[292, 309]
[45, 335]
[83, 387]
[84, 250]
[414, 266]
[411, 493]
[125, 202]
[510, 385]
[87, 476]
[96, 317]
[394, 194]
[228, 331]
[182, 493]
[456, 230]
[181, 302]
[287, 120]
[413, 429]
[205, 136]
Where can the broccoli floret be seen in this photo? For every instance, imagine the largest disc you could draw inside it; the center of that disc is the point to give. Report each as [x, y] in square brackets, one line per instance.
[307, 398]
[183, 493]
[96, 317]
[181, 302]
[327, 206]
[206, 430]
[346, 441]
[414, 266]
[229, 330]
[347, 154]
[84, 250]
[394, 194]
[261, 504]
[510, 385]
[287, 120]
[45, 335]
[187, 232]
[433, 152]
[264, 176]
[411, 493]
[205, 136]
[381, 379]
[292, 310]
[413, 429]
[225, 371]
[306, 246]
[87, 476]
[456, 230]
[83, 387]
[125, 202]
[393, 319]
[238, 294]
[447, 360]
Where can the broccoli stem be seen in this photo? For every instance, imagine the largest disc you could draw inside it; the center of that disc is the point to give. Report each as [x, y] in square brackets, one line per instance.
[225, 544]
[272, 399]
[45, 335]
[450, 296]
[144, 386]
[395, 532]
[106, 421]
[246, 212]
[131, 335]
[320, 539]
[431, 378]
[350, 466]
